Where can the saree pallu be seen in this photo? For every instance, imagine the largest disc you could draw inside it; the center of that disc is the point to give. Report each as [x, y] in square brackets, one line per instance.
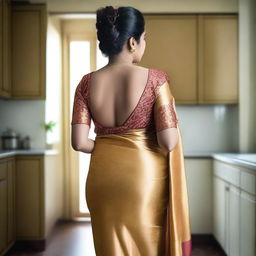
[136, 193]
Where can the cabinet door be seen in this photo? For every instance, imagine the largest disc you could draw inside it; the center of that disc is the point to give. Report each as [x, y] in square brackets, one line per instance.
[219, 208]
[29, 197]
[11, 201]
[233, 219]
[218, 59]
[171, 45]
[3, 205]
[1, 47]
[248, 224]
[28, 51]
[6, 88]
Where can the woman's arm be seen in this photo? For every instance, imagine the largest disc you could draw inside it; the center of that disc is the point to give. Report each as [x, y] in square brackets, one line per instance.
[79, 138]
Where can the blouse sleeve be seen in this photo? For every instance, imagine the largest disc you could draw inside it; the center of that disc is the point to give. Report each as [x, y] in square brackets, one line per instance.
[81, 113]
[165, 115]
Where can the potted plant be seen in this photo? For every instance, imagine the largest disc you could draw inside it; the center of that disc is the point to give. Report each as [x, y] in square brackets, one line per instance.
[49, 128]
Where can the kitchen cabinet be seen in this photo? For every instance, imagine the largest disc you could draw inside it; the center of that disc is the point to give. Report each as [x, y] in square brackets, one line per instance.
[234, 208]
[233, 215]
[219, 204]
[3, 206]
[172, 46]
[199, 57]
[218, 59]
[248, 212]
[5, 52]
[30, 197]
[7, 204]
[28, 51]
[1, 47]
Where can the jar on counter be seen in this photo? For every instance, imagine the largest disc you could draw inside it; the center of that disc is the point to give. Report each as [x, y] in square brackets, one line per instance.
[25, 143]
[10, 140]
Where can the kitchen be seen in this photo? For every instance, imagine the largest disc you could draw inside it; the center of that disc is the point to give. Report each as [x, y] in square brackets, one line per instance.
[208, 50]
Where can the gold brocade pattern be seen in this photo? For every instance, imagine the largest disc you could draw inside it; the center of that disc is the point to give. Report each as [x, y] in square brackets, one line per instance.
[81, 113]
[164, 109]
[166, 117]
[141, 116]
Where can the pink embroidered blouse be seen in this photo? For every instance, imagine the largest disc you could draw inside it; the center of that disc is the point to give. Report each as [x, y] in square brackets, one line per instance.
[143, 115]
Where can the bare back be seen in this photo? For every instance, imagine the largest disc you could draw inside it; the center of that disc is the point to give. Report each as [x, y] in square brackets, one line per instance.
[114, 93]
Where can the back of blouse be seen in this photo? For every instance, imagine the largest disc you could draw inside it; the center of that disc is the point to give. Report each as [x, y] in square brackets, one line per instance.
[154, 110]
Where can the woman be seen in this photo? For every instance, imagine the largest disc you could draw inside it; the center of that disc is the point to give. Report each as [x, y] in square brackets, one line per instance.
[136, 185]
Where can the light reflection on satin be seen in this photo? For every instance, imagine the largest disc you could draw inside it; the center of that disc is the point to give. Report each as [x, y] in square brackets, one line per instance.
[128, 199]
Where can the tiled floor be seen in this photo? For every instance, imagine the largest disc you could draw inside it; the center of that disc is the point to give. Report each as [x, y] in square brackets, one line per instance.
[75, 239]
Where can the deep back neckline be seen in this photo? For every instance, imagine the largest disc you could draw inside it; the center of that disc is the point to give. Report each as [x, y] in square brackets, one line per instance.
[134, 109]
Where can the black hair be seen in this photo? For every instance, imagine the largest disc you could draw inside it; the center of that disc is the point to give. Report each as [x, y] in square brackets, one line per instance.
[116, 26]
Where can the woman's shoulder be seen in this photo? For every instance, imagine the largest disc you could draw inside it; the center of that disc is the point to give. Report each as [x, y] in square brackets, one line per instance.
[159, 73]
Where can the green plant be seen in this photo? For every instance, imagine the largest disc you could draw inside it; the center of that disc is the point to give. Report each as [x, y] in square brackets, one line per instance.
[49, 126]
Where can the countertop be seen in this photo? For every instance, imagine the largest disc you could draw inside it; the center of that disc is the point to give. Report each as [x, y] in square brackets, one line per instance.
[8, 153]
[244, 160]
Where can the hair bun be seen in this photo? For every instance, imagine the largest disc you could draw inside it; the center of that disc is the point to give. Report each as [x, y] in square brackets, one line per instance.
[108, 14]
[116, 25]
[112, 15]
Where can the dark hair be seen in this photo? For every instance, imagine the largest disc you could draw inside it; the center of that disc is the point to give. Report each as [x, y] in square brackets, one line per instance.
[116, 26]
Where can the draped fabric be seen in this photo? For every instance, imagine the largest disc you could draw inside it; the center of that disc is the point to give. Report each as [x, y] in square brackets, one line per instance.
[136, 191]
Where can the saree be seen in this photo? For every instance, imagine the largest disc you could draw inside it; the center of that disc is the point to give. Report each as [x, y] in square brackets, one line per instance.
[136, 191]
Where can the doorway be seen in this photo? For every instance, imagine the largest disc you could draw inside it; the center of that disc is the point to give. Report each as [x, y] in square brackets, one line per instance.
[81, 55]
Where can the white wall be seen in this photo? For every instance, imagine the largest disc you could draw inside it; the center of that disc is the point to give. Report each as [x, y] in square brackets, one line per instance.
[208, 128]
[25, 117]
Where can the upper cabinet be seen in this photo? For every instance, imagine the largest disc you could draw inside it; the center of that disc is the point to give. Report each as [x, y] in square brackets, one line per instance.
[218, 59]
[5, 49]
[200, 54]
[28, 51]
[22, 50]
[171, 45]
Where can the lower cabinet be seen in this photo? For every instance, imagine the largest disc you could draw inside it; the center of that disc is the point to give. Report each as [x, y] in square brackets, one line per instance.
[234, 204]
[21, 199]
[232, 216]
[29, 197]
[219, 213]
[248, 224]
[7, 203]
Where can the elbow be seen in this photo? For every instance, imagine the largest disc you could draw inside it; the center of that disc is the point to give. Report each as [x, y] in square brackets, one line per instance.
[170, 146]
[76, 147]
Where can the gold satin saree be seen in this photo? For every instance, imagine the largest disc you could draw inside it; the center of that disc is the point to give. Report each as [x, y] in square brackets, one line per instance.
[136, 191]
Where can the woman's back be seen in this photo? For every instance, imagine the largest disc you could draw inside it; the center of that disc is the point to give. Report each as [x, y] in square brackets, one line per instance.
[115, 92]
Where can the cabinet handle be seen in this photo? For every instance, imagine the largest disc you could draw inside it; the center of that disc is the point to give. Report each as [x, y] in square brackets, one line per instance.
[2, 180]
[227, 188]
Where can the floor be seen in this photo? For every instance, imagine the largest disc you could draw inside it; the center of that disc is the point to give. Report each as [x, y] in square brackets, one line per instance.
[75, 239]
